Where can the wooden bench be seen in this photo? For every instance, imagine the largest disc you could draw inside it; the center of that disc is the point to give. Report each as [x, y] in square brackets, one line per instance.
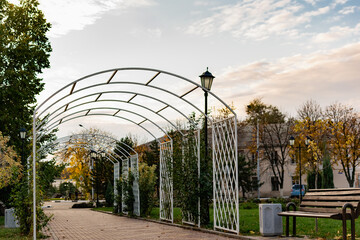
[339, 204]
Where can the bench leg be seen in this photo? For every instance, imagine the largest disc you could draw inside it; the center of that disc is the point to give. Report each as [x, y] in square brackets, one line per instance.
[344, 229]
[294, 226]
[287, 226]
[352, 229]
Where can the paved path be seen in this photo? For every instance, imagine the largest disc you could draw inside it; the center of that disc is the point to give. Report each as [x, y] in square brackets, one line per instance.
[71, 223]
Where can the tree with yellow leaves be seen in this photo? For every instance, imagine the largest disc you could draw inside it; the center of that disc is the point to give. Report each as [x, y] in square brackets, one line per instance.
[344, 126]
[311, 124]
[78, 167]
[10, 166]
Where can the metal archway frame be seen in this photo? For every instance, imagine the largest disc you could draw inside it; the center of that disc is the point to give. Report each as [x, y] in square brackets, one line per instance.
[110, 157]
[217, 153]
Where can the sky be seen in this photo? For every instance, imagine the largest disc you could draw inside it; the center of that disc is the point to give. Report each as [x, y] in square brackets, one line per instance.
[283, 51]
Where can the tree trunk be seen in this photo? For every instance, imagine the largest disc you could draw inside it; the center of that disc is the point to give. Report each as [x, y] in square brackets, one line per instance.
[281, 192]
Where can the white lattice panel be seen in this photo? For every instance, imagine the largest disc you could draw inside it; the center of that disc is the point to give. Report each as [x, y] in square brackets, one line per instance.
[166, 183]
[116, 178]
[187, 216]
[134, 164]
[225, 175]
[125, 176]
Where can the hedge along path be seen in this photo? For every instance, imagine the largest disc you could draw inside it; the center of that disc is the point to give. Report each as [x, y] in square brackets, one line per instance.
[170, 96]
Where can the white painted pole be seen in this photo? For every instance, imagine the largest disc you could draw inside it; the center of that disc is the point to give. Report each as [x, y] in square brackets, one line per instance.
[257, 157]
[34, 177]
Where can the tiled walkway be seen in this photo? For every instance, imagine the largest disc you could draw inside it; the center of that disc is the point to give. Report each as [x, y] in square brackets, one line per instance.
[71, 223]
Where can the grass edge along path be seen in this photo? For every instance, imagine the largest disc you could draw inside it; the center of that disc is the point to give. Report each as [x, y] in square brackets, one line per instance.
[249, 224]
[10, 233]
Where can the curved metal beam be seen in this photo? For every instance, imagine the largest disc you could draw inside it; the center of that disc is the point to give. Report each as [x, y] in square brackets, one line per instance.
[126, 92]
[133, 68]
[107, 100]
[109, 115]
[109, 108]
[98, 136]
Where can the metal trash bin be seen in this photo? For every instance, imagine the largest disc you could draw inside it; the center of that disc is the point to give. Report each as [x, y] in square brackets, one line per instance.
[10, 219]
[269, 221]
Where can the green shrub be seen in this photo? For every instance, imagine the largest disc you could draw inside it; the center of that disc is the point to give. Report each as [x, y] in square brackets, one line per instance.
[118, 197]
[248, 205]
[83, 205]
[109, 195]
[147, 181]
[22, 201]
[129, 197]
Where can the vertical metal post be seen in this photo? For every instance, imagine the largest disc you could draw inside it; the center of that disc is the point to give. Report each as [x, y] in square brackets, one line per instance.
[207, 215]
[206, 126]
[237, 177]
[160, 170]
[214, 170]
[300, 173]
[92, 179]
[34, 176]
[257, 158]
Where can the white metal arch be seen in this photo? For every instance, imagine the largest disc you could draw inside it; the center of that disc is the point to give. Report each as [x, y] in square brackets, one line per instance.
[43, 125]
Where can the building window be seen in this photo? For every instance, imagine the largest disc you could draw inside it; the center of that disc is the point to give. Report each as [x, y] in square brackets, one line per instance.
[254, 183]
[294, 180]
[292, 160]
[253, 157]
[274, 157]
[274, 184]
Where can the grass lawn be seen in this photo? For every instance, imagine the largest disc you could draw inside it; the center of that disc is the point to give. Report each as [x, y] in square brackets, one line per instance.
[249, 224]
[106, 209]
[10, 233]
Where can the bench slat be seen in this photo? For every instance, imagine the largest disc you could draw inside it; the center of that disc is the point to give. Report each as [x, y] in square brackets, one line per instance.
[333, 193]
[334, 189]
[332, 198]
[325, 204]
[324, 210]
[306, 214]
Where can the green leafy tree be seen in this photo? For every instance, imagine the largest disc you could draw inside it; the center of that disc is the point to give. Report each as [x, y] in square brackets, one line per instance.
[247, 175]
[24, 53]
[48, 171]
[328, 176]
[274, 129]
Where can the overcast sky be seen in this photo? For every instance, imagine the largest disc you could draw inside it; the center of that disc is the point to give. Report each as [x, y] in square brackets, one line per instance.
[284, 51]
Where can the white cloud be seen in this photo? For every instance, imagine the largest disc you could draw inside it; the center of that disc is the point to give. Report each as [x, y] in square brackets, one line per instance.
[335, 3]
[323, 76]
[67, 15]
[348, 10]
[312, 2]
[257, 19]
[336, 33]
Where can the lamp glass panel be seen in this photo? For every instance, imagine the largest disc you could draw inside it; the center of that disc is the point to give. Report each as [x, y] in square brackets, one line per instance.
[22, 135]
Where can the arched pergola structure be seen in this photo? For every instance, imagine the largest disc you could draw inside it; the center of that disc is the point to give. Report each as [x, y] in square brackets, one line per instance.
[109, 145]
[142, 101]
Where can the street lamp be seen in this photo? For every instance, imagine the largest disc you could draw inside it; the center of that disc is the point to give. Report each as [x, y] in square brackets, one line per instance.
[292, 144]
[22, 136]
[206, 82]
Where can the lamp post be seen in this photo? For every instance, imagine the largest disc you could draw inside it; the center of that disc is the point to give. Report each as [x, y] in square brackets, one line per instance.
[206, 82]
[292, 144]
[23, 136]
